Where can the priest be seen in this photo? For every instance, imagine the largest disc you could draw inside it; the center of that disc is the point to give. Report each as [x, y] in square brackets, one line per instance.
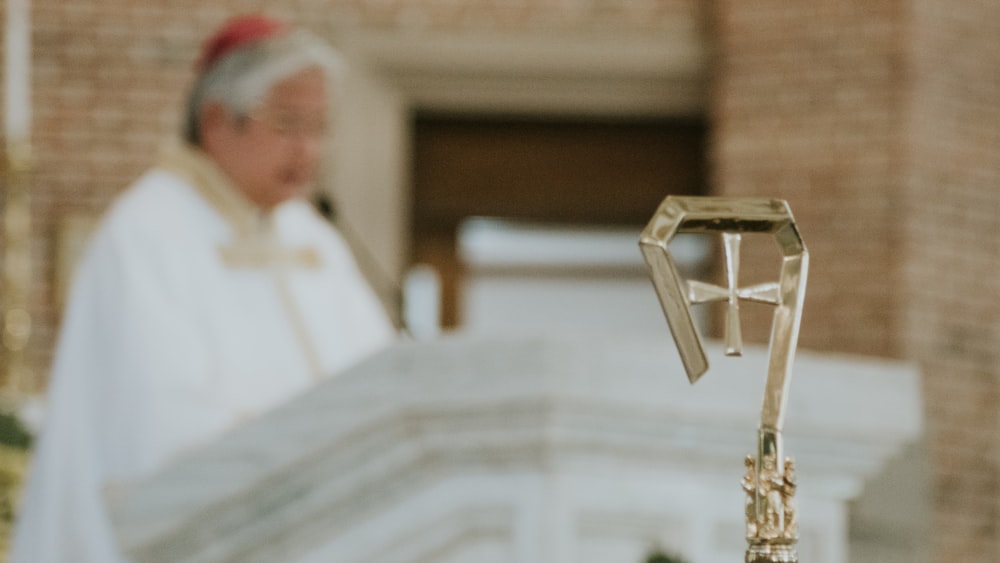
[211, 292]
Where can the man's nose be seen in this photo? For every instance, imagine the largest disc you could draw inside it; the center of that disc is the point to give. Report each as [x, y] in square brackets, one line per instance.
[310, 145]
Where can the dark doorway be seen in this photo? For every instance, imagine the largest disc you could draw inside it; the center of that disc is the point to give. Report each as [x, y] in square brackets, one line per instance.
[548, 170]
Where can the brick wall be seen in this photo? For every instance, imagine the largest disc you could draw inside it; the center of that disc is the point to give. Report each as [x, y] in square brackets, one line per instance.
[953, 244]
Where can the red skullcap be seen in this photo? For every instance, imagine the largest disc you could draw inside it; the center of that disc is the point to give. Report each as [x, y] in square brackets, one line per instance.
[236, 33]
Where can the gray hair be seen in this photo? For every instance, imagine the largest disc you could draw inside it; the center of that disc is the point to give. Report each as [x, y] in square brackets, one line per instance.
[242, 79]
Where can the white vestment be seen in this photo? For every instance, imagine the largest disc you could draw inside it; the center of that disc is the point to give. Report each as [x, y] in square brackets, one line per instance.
[190, 312]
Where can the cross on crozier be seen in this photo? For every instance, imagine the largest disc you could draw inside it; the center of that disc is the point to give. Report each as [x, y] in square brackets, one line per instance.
[701, 292]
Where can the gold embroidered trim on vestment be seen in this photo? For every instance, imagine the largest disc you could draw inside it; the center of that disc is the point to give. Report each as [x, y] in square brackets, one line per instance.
[255, 241]
[255, 244]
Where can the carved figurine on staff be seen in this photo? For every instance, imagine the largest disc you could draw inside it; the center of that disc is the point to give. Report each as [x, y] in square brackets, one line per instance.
[770, 479]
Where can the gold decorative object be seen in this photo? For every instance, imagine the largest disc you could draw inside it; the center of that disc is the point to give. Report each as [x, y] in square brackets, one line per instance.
[770, 480]
[16, 274]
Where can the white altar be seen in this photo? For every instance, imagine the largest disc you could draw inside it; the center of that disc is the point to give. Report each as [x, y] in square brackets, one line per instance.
[524, 450]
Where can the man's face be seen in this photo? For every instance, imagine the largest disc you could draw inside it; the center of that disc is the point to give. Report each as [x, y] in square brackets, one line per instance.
[273, 155]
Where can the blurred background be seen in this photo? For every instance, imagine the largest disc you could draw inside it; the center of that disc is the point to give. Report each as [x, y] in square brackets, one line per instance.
[509, 151]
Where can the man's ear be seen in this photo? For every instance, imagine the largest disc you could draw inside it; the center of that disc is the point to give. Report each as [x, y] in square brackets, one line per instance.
[213, 115]
[213, 123]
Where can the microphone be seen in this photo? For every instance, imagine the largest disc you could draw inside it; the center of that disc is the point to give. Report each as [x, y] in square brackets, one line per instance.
[389, 293]
[324, 204]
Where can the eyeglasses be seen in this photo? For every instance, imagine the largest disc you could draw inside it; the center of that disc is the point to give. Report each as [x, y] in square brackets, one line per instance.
[291, 124]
